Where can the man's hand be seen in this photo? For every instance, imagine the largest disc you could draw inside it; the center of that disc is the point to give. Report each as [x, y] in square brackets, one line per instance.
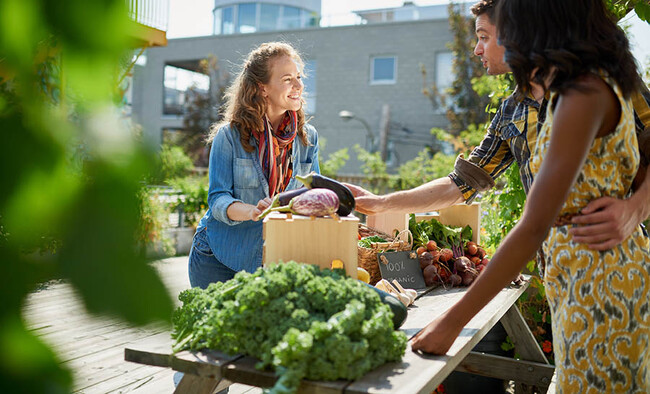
[605, 223]
[365, 202]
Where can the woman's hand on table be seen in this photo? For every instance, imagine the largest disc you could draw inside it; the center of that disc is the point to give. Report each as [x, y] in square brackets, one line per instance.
[437, 337]
[259, 208]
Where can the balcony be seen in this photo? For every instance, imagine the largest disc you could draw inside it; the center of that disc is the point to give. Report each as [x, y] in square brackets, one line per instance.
[151, 18]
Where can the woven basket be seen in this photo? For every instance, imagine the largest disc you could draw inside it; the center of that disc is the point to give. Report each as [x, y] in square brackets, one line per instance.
[367, 257]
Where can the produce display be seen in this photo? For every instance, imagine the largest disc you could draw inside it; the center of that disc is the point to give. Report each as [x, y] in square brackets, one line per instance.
[317, 181]
[298, 320]
[314, 202]
[446, 254]
[321, 196]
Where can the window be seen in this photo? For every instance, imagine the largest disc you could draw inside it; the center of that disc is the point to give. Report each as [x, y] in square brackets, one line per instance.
[228, 21]
[383, 70]
[290, 18]
[309, 18]
[309, 93]
[444, 70]
[177, 82]
[216, 26]
[247, 18]
[269, 16]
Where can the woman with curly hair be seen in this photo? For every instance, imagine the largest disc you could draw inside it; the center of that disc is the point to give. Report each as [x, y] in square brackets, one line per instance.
[586, 149]
[259, 148]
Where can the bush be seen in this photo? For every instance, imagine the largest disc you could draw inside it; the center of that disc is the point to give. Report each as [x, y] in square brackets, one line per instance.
[423, 169]
[174, 163]
[194, 198]
[334, 162]
[153, 219]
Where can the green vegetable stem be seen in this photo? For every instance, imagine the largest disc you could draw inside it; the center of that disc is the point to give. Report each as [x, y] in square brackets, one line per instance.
[450, 237]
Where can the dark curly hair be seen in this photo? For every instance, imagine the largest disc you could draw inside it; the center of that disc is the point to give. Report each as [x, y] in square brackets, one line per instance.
[487, 7]
[573, 37]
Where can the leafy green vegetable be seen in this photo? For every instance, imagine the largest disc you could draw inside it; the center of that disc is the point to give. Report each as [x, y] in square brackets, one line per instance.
[296, 319]
[450, 237]
[367, 242]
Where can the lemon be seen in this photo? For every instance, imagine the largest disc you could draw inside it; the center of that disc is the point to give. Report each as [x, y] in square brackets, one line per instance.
[363, 275]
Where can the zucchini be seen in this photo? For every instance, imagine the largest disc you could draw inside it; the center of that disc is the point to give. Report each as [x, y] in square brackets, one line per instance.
[396, 306]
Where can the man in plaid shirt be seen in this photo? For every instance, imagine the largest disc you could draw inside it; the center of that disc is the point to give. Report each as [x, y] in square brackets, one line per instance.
[511, 137]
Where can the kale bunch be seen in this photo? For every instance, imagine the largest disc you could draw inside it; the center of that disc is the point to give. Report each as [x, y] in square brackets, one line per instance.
[298, 320]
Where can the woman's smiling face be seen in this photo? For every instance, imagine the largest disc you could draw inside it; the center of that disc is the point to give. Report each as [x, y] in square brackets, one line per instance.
[283, 92]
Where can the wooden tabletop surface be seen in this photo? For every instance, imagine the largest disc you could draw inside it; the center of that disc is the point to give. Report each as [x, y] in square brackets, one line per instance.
[416, 373]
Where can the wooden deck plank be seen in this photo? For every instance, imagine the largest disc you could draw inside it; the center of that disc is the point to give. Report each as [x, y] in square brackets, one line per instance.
[93, 347]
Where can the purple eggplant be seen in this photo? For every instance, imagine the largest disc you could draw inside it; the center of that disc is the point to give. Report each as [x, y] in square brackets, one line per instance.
[316, 202]
[283, 199]
[316, 181]
[313, 202]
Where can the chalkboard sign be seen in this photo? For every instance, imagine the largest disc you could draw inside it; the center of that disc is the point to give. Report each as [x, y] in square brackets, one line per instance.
[403, 267]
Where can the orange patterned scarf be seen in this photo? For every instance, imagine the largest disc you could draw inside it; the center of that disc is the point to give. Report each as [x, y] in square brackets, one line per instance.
[275, 151]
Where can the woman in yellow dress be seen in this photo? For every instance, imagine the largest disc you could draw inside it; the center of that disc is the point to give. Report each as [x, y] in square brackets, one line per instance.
[586, 149]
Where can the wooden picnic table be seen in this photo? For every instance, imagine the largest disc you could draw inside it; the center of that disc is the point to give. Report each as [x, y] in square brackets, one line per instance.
[207, 371]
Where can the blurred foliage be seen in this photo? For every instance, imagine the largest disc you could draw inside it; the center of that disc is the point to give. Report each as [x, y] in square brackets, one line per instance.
[193, 198]
[71, 171]
[174, 163]
[154, 216]
[374, 169]
[620, 8]
[202, 110]
[465, 104]
[422, 169]
[335, 161]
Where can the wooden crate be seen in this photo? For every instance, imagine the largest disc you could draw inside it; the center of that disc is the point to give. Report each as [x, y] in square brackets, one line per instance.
[457, 215]
[311, 240]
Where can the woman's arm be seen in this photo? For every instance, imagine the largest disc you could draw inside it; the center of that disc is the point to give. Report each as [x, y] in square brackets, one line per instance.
[239, 211]
[224, 206]
[579, 117]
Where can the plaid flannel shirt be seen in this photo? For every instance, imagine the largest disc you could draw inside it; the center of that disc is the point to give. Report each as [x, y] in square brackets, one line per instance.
[508, 139]
[512, 135]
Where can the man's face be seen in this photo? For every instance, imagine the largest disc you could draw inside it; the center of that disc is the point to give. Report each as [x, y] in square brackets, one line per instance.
[487, 48]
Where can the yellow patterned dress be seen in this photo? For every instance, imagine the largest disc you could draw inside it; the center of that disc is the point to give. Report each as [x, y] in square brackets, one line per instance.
[599, 301]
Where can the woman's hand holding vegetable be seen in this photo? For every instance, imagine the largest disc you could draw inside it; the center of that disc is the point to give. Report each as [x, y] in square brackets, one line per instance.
[261, 206]
[241, 211]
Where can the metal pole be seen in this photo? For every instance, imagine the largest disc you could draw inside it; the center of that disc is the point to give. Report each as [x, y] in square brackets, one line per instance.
[371, 135]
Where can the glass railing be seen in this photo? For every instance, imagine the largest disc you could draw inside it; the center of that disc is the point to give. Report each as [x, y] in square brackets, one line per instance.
[152, 13]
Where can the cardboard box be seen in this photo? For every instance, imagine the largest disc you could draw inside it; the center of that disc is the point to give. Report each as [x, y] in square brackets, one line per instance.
[457, 215]
[311, 240]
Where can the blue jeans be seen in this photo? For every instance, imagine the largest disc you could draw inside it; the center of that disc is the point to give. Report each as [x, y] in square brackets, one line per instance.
[204, 268]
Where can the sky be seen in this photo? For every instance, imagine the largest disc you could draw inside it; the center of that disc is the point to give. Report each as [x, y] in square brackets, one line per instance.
[190, 18]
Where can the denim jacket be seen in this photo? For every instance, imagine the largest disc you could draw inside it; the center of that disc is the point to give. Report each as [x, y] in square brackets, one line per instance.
[236, 176]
